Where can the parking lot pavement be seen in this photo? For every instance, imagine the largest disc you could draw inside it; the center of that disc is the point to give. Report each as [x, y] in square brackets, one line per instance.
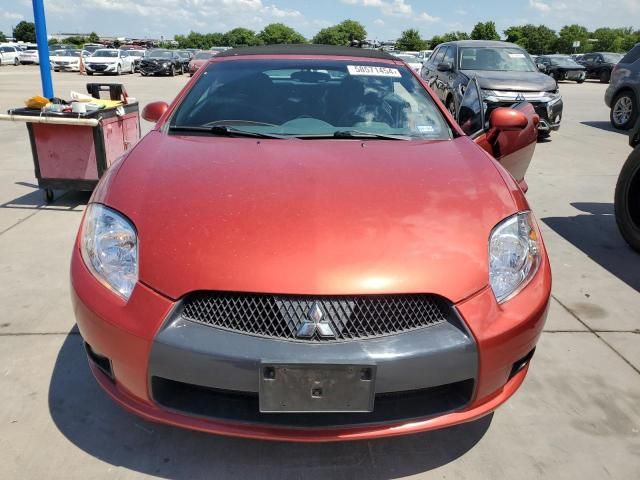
[576, 416]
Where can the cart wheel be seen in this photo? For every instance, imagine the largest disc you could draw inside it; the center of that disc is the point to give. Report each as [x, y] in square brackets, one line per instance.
[48, 195]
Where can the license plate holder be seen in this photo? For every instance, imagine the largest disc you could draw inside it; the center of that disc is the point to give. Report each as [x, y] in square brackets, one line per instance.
[320, 388]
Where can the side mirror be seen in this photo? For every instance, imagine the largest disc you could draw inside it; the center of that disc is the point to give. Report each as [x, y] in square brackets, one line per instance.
[505, 119]
[542, 67]
[445, 67]
[153, 111]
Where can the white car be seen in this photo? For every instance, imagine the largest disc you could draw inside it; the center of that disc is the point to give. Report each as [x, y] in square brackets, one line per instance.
[29, 56]
[109, 60]
[9, 55]
[414, 62]
[136, 55]
[66, 60]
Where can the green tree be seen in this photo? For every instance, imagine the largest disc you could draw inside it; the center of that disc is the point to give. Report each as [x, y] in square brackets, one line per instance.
[342, 34]
[411, 40]
[215, 39]
[536, 40]
[25, 32]
[93, 38]
[3, 38]
[447, 37]
[240, 37]
[280, 33]
[485, 31]
[572, 33]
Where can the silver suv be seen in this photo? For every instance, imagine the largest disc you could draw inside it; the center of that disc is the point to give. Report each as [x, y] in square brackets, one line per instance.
[623, 93]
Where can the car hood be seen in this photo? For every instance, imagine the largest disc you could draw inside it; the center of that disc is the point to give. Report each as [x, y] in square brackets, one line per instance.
[515, 81]
[310, 216]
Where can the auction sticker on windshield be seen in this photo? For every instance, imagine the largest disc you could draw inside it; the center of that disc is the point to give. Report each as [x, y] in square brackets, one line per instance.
[373, 71]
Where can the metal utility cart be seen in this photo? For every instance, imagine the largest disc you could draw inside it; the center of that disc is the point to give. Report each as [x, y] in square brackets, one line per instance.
[72, 151]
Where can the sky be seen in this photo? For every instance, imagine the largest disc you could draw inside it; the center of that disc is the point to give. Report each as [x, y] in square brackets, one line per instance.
[383, 19]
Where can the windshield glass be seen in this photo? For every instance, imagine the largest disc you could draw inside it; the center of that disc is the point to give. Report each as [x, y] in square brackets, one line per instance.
[502, 59]
[563, 62]
[105, 53]
[311, 98]
[612, 57]
[163, 54]
[409, 58]
[136, 53]
[67, 53]
[203, 55]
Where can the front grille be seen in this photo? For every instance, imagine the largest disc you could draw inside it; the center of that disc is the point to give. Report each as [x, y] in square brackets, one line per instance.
[283, 316]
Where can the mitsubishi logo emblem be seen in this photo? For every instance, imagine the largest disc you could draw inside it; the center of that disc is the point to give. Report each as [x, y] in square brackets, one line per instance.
[520, 97]
[315, 322]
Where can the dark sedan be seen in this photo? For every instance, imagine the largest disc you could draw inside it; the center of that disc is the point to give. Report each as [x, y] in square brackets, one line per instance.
[505, 72]
[161, 61]
[561, 67]
[185, 57]
[599, 64]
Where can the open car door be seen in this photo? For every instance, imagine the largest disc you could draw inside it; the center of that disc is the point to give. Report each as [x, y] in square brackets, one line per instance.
[509, 134]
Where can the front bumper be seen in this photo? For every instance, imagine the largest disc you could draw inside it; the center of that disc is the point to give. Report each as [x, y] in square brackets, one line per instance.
[66, 67]
[101, 67]
[550, 112]
[152, 69]
[148, 348]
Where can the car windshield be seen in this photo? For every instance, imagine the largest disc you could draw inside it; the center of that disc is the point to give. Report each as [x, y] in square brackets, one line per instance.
[311, 98]
[67, 53]
[612, 57]
[500, 59]
[409, 58]
[162, 54]
[203, 55]
[105, 53]
[136, 53]
[563, 62]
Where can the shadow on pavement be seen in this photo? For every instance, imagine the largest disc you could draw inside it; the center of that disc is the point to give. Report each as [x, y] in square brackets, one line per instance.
[603, 125]
[595, 233]
[35, 200]
[94, 423]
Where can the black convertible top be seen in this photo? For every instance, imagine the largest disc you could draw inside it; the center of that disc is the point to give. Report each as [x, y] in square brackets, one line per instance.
[307, 49]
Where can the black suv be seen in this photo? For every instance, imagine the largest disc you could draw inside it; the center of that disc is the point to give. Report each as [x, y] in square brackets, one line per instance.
[505, 73]
[599, 64]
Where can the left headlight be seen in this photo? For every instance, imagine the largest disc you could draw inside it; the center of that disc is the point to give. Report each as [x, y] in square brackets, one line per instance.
[109, 247]
[514, 255]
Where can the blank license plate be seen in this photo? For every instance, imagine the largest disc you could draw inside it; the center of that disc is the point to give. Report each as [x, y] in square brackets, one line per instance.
[316, 388]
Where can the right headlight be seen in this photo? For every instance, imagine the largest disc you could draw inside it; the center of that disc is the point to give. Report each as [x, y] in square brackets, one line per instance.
[109, 247]
[514, 255]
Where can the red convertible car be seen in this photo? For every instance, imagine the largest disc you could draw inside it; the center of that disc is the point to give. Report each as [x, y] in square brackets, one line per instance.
[308, 247]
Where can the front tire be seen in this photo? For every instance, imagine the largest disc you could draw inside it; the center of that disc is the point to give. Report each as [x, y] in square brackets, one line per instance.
[627, 200]
[89, 73]
[624, 111]
[605, 76]
[16, 62]
[172, 73]
[118, 70]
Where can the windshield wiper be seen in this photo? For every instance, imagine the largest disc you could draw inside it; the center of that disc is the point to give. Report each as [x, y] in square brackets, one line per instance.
[224, 130]
[353, 134]
[359, 134]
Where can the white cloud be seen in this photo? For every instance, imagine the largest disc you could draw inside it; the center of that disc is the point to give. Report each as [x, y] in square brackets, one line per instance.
[5, 15]
[379, 22]
[388, 7]
[539, 6]
[425, 17]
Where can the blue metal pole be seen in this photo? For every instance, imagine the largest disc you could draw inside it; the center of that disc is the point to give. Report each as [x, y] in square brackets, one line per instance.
[43, 48]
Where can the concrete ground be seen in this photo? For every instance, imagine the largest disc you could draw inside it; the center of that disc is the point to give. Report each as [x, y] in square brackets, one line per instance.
[576, 416]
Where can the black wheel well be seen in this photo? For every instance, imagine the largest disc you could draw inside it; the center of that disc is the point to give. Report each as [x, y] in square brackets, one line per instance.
[624, 89]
